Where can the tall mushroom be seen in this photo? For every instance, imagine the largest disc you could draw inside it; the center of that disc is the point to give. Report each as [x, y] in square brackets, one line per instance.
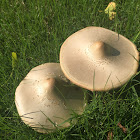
[98, 59]
[46, 100]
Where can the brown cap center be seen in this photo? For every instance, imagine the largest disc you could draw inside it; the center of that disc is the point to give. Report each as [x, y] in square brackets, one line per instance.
[98, 50]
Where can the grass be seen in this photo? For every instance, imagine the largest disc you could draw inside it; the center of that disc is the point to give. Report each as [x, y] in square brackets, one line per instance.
[35, 30]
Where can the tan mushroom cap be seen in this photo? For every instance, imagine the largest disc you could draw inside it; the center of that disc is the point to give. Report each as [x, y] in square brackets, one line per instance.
[98, 59]
[45, 99]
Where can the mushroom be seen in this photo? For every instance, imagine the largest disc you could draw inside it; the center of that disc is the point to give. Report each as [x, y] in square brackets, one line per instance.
[98, 59]
[46, 100]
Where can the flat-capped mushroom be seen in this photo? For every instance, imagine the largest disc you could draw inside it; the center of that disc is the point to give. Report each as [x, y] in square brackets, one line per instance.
[98, 59]
[45, 99]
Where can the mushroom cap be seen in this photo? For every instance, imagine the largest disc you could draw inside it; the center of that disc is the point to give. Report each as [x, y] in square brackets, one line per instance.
[98, 59]
[45, 99]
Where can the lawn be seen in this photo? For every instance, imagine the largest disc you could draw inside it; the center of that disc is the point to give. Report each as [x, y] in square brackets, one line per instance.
[35, 30]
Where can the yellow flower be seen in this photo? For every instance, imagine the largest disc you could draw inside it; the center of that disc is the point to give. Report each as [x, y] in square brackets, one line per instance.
[110, 10]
